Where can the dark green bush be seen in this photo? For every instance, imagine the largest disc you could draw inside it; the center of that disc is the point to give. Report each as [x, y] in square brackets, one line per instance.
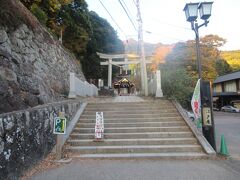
[39, 13]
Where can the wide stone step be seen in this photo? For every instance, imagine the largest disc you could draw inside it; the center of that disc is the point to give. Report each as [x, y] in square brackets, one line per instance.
[183, 134]
[134, 129]
[133, 120]
[126, 108]
[134, 124]
[132, 115]
[134, 149]
[146, 103]
[171, 155]
[110, 112]
[129, 110]
[123, 142]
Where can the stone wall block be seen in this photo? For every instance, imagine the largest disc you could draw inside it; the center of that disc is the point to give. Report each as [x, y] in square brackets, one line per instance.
[19, 121]
[1, 127]
[1, 145]
[8, 122]
[17, 59]
[17, 45]
[27, 117]
[6, 49]
[8, 74]
[20, 33]
[31, 100]
[3, 36]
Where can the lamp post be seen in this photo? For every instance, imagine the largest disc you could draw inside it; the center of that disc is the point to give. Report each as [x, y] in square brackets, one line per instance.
[191, 12]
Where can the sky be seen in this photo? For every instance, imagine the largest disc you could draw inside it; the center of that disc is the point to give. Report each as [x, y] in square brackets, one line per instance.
[164, 20]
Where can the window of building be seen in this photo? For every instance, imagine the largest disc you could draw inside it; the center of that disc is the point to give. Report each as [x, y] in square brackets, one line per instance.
[217, 88]
[230, 86]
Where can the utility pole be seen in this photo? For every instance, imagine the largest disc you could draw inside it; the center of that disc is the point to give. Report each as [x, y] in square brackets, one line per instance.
[144, 82]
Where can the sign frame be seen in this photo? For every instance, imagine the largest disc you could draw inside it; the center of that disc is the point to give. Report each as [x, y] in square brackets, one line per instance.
[64, 124]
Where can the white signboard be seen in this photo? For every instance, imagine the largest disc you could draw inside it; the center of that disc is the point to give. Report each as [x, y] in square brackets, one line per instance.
[99, 126]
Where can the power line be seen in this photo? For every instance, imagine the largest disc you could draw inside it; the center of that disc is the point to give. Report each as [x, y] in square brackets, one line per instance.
[127, 8]
[127, 15]
[112, 18]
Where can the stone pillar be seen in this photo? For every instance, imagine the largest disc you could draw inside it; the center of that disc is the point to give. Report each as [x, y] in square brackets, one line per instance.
[121, 70]
[110, 73]
[159, 88]
[100, 83]
[72, 91]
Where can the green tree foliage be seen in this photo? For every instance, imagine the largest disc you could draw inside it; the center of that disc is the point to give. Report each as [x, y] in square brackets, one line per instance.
[29, 3]
[177, 84]
[180, 72]
[76, 27]
[39, 13]
[103, 39]
[43, 8]
[223, 67]
[185, 54]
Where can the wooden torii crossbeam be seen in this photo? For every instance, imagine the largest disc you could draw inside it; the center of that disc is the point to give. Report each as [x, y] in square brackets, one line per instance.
[110, 62]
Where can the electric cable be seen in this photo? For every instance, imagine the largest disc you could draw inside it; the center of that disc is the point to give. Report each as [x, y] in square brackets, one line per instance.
[112, 18]
[127, 9]
[127, 15]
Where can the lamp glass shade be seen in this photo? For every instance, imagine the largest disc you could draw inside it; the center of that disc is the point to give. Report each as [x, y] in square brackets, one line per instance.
[205, 9]
[191, 11]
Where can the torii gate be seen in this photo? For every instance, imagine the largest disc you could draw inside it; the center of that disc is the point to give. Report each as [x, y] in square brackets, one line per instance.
[110, 62]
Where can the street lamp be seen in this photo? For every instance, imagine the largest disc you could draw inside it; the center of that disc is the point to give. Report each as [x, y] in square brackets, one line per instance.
[191, 12]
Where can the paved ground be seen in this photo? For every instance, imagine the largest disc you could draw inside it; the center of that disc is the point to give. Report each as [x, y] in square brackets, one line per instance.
[128, 99]
[143, 170]
[229, 125]
[103, 99]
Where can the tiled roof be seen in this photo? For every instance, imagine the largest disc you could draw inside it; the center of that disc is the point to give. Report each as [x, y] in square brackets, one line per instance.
[228, 77]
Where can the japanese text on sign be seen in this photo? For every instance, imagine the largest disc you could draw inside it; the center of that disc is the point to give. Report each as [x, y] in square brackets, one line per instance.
[207, 120]
[99, 126]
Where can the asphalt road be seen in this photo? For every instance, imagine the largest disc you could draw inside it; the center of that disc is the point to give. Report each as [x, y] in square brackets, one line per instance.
[228, 124]
[142, 170]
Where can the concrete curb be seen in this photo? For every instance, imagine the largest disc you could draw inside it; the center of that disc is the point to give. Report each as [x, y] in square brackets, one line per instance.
[201, 139]
[73, 122]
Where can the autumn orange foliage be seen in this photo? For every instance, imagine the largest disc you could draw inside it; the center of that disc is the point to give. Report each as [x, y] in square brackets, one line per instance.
[159, 56]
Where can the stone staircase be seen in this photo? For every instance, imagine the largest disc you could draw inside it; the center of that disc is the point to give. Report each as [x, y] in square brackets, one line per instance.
[134, 129]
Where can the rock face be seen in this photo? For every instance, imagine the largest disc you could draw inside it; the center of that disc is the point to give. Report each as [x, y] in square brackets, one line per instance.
[34, 68]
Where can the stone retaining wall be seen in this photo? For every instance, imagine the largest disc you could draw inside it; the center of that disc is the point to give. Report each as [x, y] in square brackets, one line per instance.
[27, 136]
[34, 66]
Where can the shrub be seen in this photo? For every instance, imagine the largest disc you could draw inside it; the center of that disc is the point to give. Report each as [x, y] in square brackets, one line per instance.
[39, 13]
[177, 84]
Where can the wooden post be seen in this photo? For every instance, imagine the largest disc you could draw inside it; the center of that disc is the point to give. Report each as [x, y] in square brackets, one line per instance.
[59, 146]
[59, 142]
